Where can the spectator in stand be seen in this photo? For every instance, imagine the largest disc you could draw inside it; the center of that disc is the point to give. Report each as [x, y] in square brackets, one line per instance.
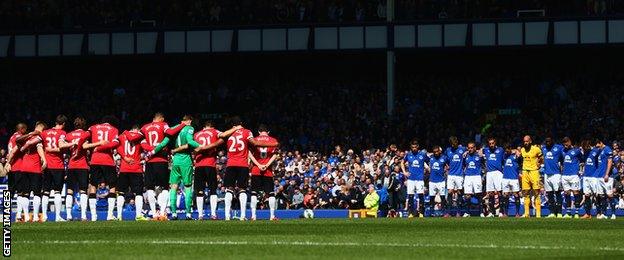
[297, 199]
[371, 202]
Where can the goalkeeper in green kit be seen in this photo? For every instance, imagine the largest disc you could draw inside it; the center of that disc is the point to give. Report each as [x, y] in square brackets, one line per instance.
[182, 166]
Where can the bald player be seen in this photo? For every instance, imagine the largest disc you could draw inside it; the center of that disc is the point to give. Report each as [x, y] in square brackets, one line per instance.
[531, 185]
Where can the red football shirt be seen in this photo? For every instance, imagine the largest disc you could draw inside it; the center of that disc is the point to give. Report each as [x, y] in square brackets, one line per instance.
[51, 138]
[17, 157]
[263, 155]
[238, 148]
[32, 162]
[154, 133]
[103, 155]
[78, 156]
[127, 149]
[207, 157]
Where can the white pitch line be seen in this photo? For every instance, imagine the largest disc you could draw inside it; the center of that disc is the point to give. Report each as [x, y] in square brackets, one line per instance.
[313, 243]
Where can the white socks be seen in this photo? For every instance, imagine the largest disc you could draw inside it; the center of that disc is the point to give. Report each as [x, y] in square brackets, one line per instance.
[69, 203]
[163, 198]
[242, 199]
[92, 207]
[45, 201]
[228, 205]
[36, 204]
[213, 205]
[120, 203]
[18, 214]
[151, 199]
[200, 205]
[138, 202]
[57, 205]
[253, 202]
[272, 204]
[111, 207]
[25, 203]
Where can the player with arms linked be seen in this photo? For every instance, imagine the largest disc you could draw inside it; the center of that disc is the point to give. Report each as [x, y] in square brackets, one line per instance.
[55, 147]
[130, 171]
[237, 167]
[103, 171]
[156, 177]
[205, 168]
[181, 167]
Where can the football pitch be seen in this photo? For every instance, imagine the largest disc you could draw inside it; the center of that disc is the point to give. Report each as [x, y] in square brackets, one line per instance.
[322, 239]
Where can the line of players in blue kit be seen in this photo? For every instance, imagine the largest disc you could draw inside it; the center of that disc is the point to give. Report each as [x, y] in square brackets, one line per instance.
[583, 175]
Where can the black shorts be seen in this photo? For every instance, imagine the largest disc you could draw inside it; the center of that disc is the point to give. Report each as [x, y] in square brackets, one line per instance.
[236, 177]
[53, 180]
[262, 184]
[14, 181]
[157, 175]
[134, 181]
[78, 178]
[205, 175]
[103, 174]
[33, 182]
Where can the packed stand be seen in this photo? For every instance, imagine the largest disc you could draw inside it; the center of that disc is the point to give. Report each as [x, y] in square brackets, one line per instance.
[311, 172]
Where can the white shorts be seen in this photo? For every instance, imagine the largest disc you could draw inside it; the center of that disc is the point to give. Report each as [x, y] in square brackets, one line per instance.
[590, 185]
[415, 187]
[511, 185]
[455, 182]
[604, 187]
[570, 182]
[473, 184]
[437, 188]
[493, 181]
[552, 182]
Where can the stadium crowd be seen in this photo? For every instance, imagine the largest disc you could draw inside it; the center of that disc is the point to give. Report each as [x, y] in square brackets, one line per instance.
[310, 171]
[66, 14]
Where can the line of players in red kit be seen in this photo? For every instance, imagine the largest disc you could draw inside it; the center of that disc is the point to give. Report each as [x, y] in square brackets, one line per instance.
[42, 163]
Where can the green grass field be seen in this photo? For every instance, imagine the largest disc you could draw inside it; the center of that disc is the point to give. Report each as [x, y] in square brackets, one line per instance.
[323, 239]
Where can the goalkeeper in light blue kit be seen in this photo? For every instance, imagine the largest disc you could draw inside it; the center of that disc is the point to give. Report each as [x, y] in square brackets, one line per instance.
[182, 166]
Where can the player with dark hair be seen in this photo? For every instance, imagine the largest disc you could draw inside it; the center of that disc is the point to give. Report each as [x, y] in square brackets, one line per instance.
[237, 171]
[604, 179]
[494, 172]
[103, 142]
[54, 176]
[33, 164]
[157, 166]
[455, 179]
[553, 156]
[205, 168]
[78, 169]
[415, 159]
[570, 181]
[130, 171]
[261, 172]
[14, 166]
[181, 167]
[510, 184]
[438, 165]
[590, 182]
